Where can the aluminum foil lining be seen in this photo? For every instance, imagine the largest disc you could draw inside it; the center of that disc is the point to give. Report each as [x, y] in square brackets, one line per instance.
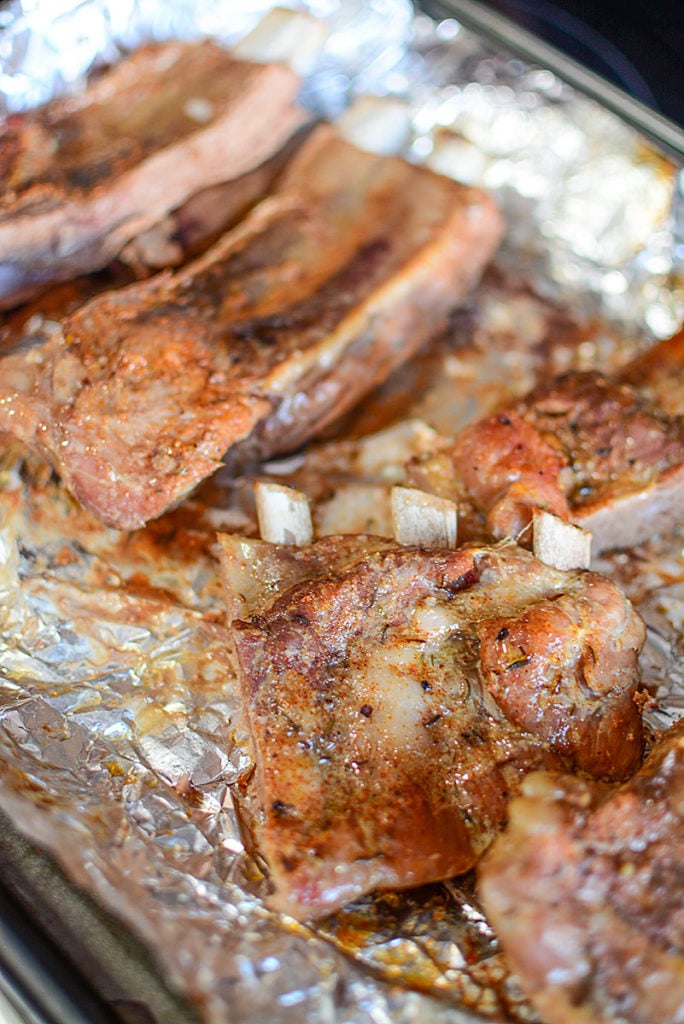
[122, 749]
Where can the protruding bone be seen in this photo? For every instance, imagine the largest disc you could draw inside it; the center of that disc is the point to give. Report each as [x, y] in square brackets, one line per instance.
[378, 124]
[287, 37]
[558, 543]
[283, 515]
[423, 520]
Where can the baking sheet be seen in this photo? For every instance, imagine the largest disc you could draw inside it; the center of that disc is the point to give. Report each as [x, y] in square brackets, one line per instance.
[122, 750]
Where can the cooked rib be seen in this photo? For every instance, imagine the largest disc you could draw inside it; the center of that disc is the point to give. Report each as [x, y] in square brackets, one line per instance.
[199, 222]
[340, 275]
[184, 233]
[596, 450]
[397, 696]
[658, 373]
[83, 175]
[586, 892]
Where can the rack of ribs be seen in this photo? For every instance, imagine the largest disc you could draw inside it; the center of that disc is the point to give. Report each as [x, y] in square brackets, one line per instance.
[338, 276]
[81, 176]
[605, 452]
[586, 892]
[397, 696]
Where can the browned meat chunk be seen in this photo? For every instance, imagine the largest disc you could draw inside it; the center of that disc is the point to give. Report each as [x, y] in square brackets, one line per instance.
[658, 374]
[387, 691]
[600, 452]
[323, 289]
[79, 177]
[184, 233]
[586, 892]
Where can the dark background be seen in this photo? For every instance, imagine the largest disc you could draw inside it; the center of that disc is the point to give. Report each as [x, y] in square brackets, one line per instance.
[637, 45]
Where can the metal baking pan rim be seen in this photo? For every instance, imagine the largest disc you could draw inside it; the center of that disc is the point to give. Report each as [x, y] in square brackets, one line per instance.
[496, 27]
[64, 959]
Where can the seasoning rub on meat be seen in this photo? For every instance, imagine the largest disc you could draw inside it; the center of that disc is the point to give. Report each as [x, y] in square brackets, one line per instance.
[605, 452]
[325, 287]
[397, 696]
[586, 892]
[81, 176]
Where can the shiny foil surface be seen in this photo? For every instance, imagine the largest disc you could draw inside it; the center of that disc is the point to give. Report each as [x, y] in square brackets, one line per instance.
[122, 748]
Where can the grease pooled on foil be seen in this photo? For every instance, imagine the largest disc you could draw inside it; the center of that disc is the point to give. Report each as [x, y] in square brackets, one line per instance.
[122, 749]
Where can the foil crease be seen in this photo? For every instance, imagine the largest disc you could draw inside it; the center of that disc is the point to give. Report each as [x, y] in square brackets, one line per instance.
[122, 749]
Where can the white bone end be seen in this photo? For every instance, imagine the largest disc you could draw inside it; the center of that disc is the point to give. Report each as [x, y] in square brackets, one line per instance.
[423, 520]
[377, 124]
[560, 544]
[295, 38]
[283, 515]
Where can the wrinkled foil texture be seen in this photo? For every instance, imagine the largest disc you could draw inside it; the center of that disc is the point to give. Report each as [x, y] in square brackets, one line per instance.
[122, 749]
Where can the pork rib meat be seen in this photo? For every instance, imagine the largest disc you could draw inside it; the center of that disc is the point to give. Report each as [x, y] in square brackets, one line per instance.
[606, 453]
[81, 176]
[586, 892]
[325, 286]
[397, 697]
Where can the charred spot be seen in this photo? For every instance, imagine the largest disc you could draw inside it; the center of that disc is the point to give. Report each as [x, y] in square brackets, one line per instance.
[462, 582]
[88, 176]
[503, 633]
[301, 619]
[256, 331]
[604, 449]
[280, 809]
[366, 710]
[505, 421]
[365, 262]
[432, 720]
[426, 685]
[287, 862]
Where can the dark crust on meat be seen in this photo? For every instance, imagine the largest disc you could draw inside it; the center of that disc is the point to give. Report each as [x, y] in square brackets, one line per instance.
[152, 385]
[80, 176]
[585, 892]
[355, 711]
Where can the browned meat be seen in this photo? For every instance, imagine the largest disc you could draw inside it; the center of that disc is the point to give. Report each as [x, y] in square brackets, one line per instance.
[208, 214]
[79, 177]
[658, 374]
[353, 262]
[586, 892]
[595, 450]
[184, 233]
[387, 692]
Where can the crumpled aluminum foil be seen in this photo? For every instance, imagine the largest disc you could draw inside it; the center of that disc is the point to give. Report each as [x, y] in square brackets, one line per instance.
[122, 749]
